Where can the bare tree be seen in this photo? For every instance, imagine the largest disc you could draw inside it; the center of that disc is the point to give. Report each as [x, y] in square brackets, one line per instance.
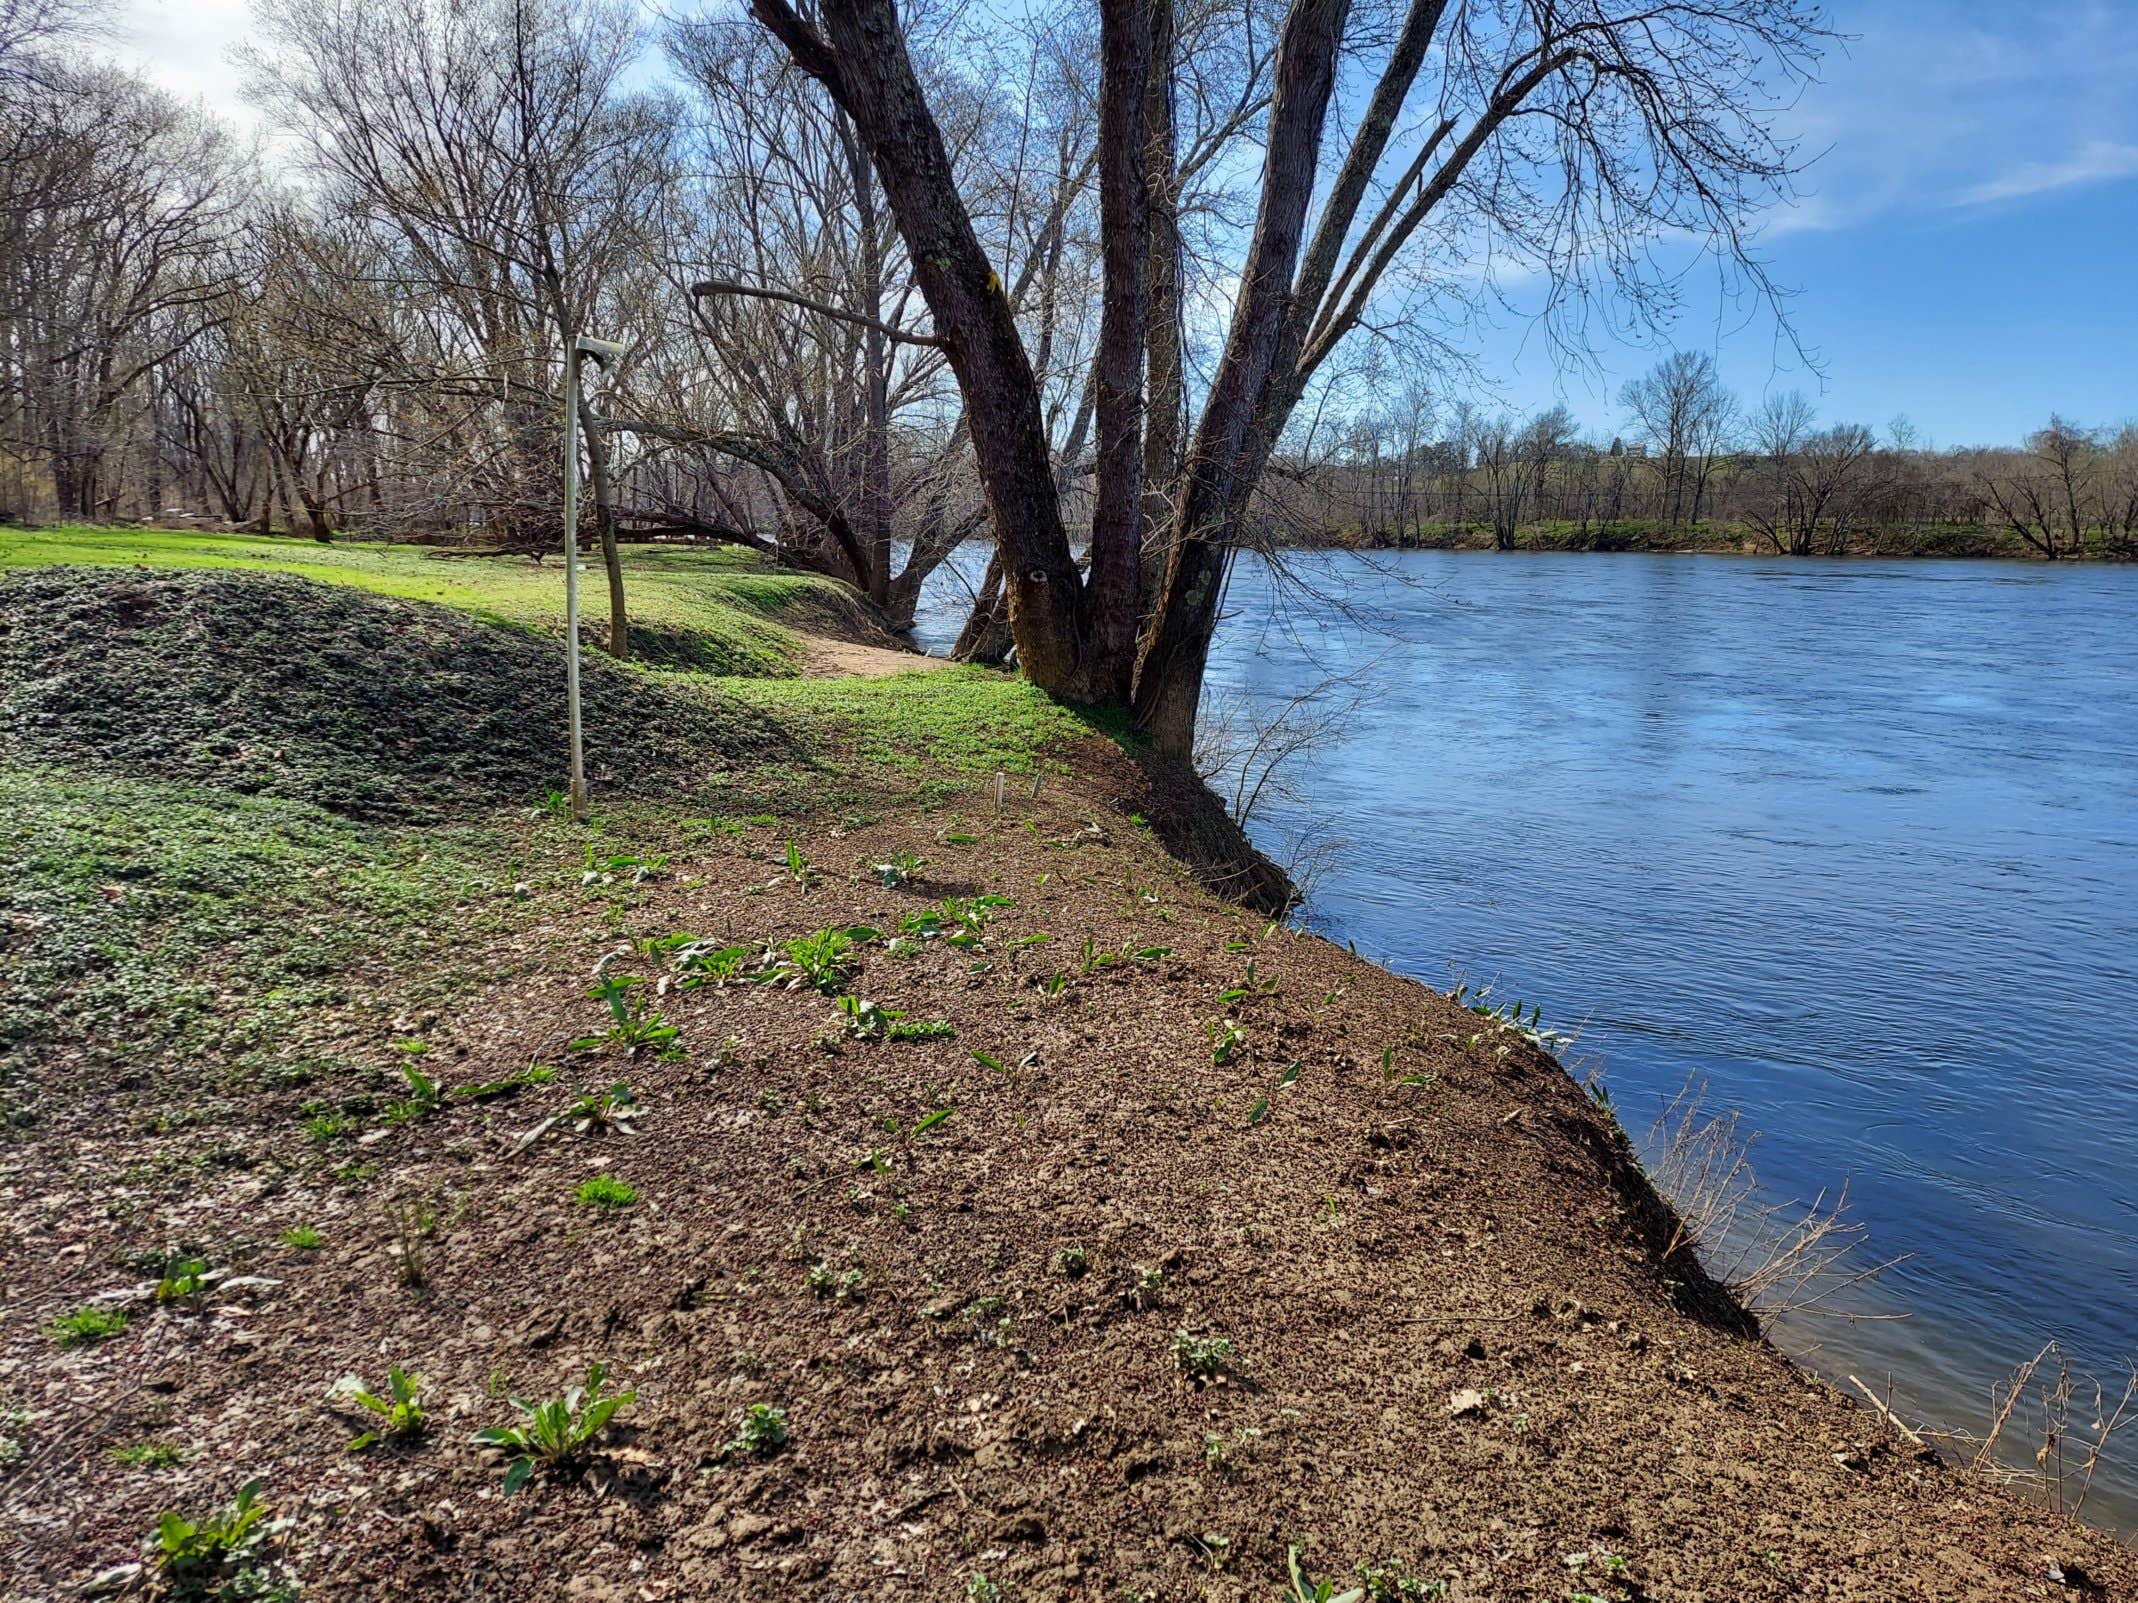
[1573, 133]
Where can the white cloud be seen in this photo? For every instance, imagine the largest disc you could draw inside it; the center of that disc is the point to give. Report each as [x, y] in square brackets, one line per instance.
[2096, 161]
[1938, 103]
[184, 45]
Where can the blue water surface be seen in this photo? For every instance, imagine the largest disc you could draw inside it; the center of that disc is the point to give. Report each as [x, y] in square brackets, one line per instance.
[1854, 843]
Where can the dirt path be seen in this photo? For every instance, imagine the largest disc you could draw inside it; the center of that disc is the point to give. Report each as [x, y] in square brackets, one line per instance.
[825, 658]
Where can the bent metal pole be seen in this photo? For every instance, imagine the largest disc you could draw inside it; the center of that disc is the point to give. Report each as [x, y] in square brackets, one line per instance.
[603, 352]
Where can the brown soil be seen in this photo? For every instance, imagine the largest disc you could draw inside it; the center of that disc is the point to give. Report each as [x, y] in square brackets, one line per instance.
[1453, 1346]
[827, 658]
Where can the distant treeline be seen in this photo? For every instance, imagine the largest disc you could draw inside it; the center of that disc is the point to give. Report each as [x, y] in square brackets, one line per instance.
[1695, 470]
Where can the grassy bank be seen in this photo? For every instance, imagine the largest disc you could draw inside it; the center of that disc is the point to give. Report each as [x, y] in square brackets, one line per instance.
[962, 1200]
[719, 610]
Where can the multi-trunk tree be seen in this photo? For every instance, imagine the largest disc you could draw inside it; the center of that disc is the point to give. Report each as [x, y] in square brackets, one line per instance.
[1570, 133]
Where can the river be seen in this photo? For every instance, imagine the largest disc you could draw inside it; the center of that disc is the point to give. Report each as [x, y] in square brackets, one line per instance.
[1855, 844]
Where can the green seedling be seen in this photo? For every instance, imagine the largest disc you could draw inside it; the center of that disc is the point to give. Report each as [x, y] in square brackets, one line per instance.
[606, 870]
[1072, 1261]
[613, 1108]
[305, 1238]
[762, 1433]
[901, 868]
[195, 1559]
[1227, 1036]
[557, 1434]
[184, 1280]
[401, 1408]
[633, 1024]
[798, 868]
[425, 1097]
[533, 1074]
[708, 963]
[149, 1455]
[1306, 1591]
[1201, 1357]
[916, 1030]
[825, 960]
[933, 1121]
[841, 1285]
[863, 1020]
[85, 1327]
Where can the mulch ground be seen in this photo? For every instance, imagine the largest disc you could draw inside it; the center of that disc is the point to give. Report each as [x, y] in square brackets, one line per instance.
[1453, 1352]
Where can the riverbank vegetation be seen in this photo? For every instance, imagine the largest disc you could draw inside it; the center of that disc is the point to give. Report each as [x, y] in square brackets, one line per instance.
[829, 1168]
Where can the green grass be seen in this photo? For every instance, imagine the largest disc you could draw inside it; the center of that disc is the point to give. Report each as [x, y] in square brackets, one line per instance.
[605, 1191]
[718, 610]
[970, 719]
[87, 1326]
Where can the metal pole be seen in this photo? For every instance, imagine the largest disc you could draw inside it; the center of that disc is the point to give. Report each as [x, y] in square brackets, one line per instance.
[571, 575]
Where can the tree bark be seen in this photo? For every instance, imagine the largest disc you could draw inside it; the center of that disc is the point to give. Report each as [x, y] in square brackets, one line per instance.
[1115, 588]
[861, 59]
[1219, 476]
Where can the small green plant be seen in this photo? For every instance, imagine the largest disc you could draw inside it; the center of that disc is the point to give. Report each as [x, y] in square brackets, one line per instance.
[634, 1025]
[798, 868]
[900, 868]
[611, 1108]
[87, 1326]
[183, 1280]
[1308, 1591]
[979, 1589]
[863, 1020]
[842, 1285]
[196, 1559]
[916, 1030]
[1094, 959]
[762, 1433]
[324, 1123]
[1149, 1282]
[605, 1192]
[606, 870]
[1227, 1036]
[708, 963]
[825, 959]
[533, 1074]
[1391, 1583]
[1072, 1261]
[149, 1455]
[305, 1238]
[425, 1097]
[556, 1434]
[1201, 1357]
[401, 1408]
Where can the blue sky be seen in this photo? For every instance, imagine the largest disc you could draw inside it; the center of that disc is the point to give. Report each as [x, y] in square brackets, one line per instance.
[1966, 248]
[1964, 251]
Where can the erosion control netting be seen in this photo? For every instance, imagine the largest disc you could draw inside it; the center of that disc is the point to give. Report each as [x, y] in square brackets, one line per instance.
[282, 686]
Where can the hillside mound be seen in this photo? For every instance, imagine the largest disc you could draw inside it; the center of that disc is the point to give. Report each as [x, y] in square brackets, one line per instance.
[275, 685]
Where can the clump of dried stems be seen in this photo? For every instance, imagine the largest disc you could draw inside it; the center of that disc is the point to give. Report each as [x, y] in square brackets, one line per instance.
[2049, 1427]
[1779, 1258]
[2067, 1417]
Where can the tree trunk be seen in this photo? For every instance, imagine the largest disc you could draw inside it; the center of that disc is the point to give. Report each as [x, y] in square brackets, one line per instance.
[1115, 590]
[1236, 432]
[1165, 401]
[861, 58]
